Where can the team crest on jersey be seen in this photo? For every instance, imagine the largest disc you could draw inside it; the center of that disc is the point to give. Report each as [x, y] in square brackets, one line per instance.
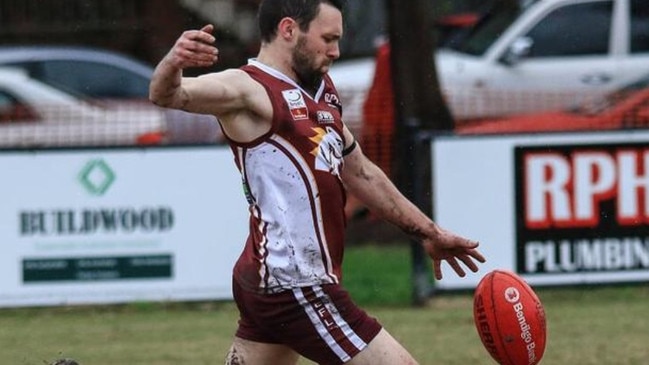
[329, 150]
[324, 117]
[296, 104]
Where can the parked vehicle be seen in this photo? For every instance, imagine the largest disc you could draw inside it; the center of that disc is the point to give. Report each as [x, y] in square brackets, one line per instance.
[105, 76]
[546, 55]
[626, 108]
[34, 114]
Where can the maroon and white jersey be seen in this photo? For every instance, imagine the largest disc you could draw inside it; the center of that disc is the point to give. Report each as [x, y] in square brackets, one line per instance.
[291, 178]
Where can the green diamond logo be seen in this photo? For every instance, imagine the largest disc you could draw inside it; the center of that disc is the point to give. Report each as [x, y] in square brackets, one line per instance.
[96, 177]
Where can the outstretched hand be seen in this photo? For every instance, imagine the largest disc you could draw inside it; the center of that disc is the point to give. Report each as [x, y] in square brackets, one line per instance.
[449, 247]
[194, 48]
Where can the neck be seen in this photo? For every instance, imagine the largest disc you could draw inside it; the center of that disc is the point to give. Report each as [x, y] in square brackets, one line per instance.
[269, 56]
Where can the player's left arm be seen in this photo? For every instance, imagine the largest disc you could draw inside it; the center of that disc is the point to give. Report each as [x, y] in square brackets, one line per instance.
[367, 182]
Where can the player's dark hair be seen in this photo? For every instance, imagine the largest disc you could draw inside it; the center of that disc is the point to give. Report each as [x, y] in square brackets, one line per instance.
[271, 12]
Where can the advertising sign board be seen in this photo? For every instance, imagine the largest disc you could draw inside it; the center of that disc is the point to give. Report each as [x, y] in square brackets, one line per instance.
[115, 225]
[557, 208]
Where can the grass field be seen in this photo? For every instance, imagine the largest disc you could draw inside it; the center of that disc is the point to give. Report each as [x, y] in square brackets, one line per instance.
[587, 326]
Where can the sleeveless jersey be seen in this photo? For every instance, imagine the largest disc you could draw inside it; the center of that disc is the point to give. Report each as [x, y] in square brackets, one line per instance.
[291, 179]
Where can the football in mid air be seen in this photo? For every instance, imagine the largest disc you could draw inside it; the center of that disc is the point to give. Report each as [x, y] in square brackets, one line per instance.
[510, 319]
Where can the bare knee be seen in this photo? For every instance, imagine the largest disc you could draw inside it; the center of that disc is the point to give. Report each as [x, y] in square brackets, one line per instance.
[244, 352]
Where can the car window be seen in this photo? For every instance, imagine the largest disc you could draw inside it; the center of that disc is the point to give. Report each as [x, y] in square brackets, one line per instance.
[94, 80]
[12, 110]
[639, 26]
[573, 30]
[491, 26]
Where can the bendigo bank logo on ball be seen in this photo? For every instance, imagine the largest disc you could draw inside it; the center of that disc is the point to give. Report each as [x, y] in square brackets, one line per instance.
[582, 208]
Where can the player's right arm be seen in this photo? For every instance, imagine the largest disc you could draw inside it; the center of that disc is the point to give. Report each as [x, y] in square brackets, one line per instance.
[215, 93]
[370, 185]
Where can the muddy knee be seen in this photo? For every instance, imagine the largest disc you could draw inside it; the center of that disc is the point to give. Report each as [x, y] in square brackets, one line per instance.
[234, 357]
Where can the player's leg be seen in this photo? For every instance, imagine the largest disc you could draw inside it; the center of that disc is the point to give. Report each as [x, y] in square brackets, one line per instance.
[383, 350]
[255, 342]
[257, 353]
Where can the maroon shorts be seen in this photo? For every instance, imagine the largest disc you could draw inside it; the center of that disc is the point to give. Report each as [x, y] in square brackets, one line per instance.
[321, 323]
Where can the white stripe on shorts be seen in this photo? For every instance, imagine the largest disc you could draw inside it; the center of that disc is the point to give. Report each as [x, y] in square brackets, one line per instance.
[319, 326]
[342, 324]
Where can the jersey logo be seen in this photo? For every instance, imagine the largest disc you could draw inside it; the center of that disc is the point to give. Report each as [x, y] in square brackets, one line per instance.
[296, 104]
[332, 99]
[329, 150]
[324, 117]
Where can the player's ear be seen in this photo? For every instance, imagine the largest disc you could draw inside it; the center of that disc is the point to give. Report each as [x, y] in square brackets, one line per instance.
[287, 28]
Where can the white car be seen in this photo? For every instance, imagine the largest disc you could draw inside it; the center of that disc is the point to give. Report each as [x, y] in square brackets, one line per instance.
[548, 55]
[103, 75]
[34, 114]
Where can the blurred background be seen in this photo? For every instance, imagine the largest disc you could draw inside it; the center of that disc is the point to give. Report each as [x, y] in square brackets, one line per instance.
[112, 46]
[146, 29]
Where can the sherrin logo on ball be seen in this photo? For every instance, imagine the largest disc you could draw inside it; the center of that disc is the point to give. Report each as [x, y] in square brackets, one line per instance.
[510, 319]
[512, 295]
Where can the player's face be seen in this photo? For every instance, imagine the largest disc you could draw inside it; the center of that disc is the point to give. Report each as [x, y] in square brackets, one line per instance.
[316, 49]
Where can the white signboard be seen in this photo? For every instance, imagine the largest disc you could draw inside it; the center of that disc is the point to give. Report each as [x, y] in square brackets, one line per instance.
[557, 209]
[116, 225]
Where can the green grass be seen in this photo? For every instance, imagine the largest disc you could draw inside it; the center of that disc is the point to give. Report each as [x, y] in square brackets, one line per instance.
[378, 275]
[587, 326]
